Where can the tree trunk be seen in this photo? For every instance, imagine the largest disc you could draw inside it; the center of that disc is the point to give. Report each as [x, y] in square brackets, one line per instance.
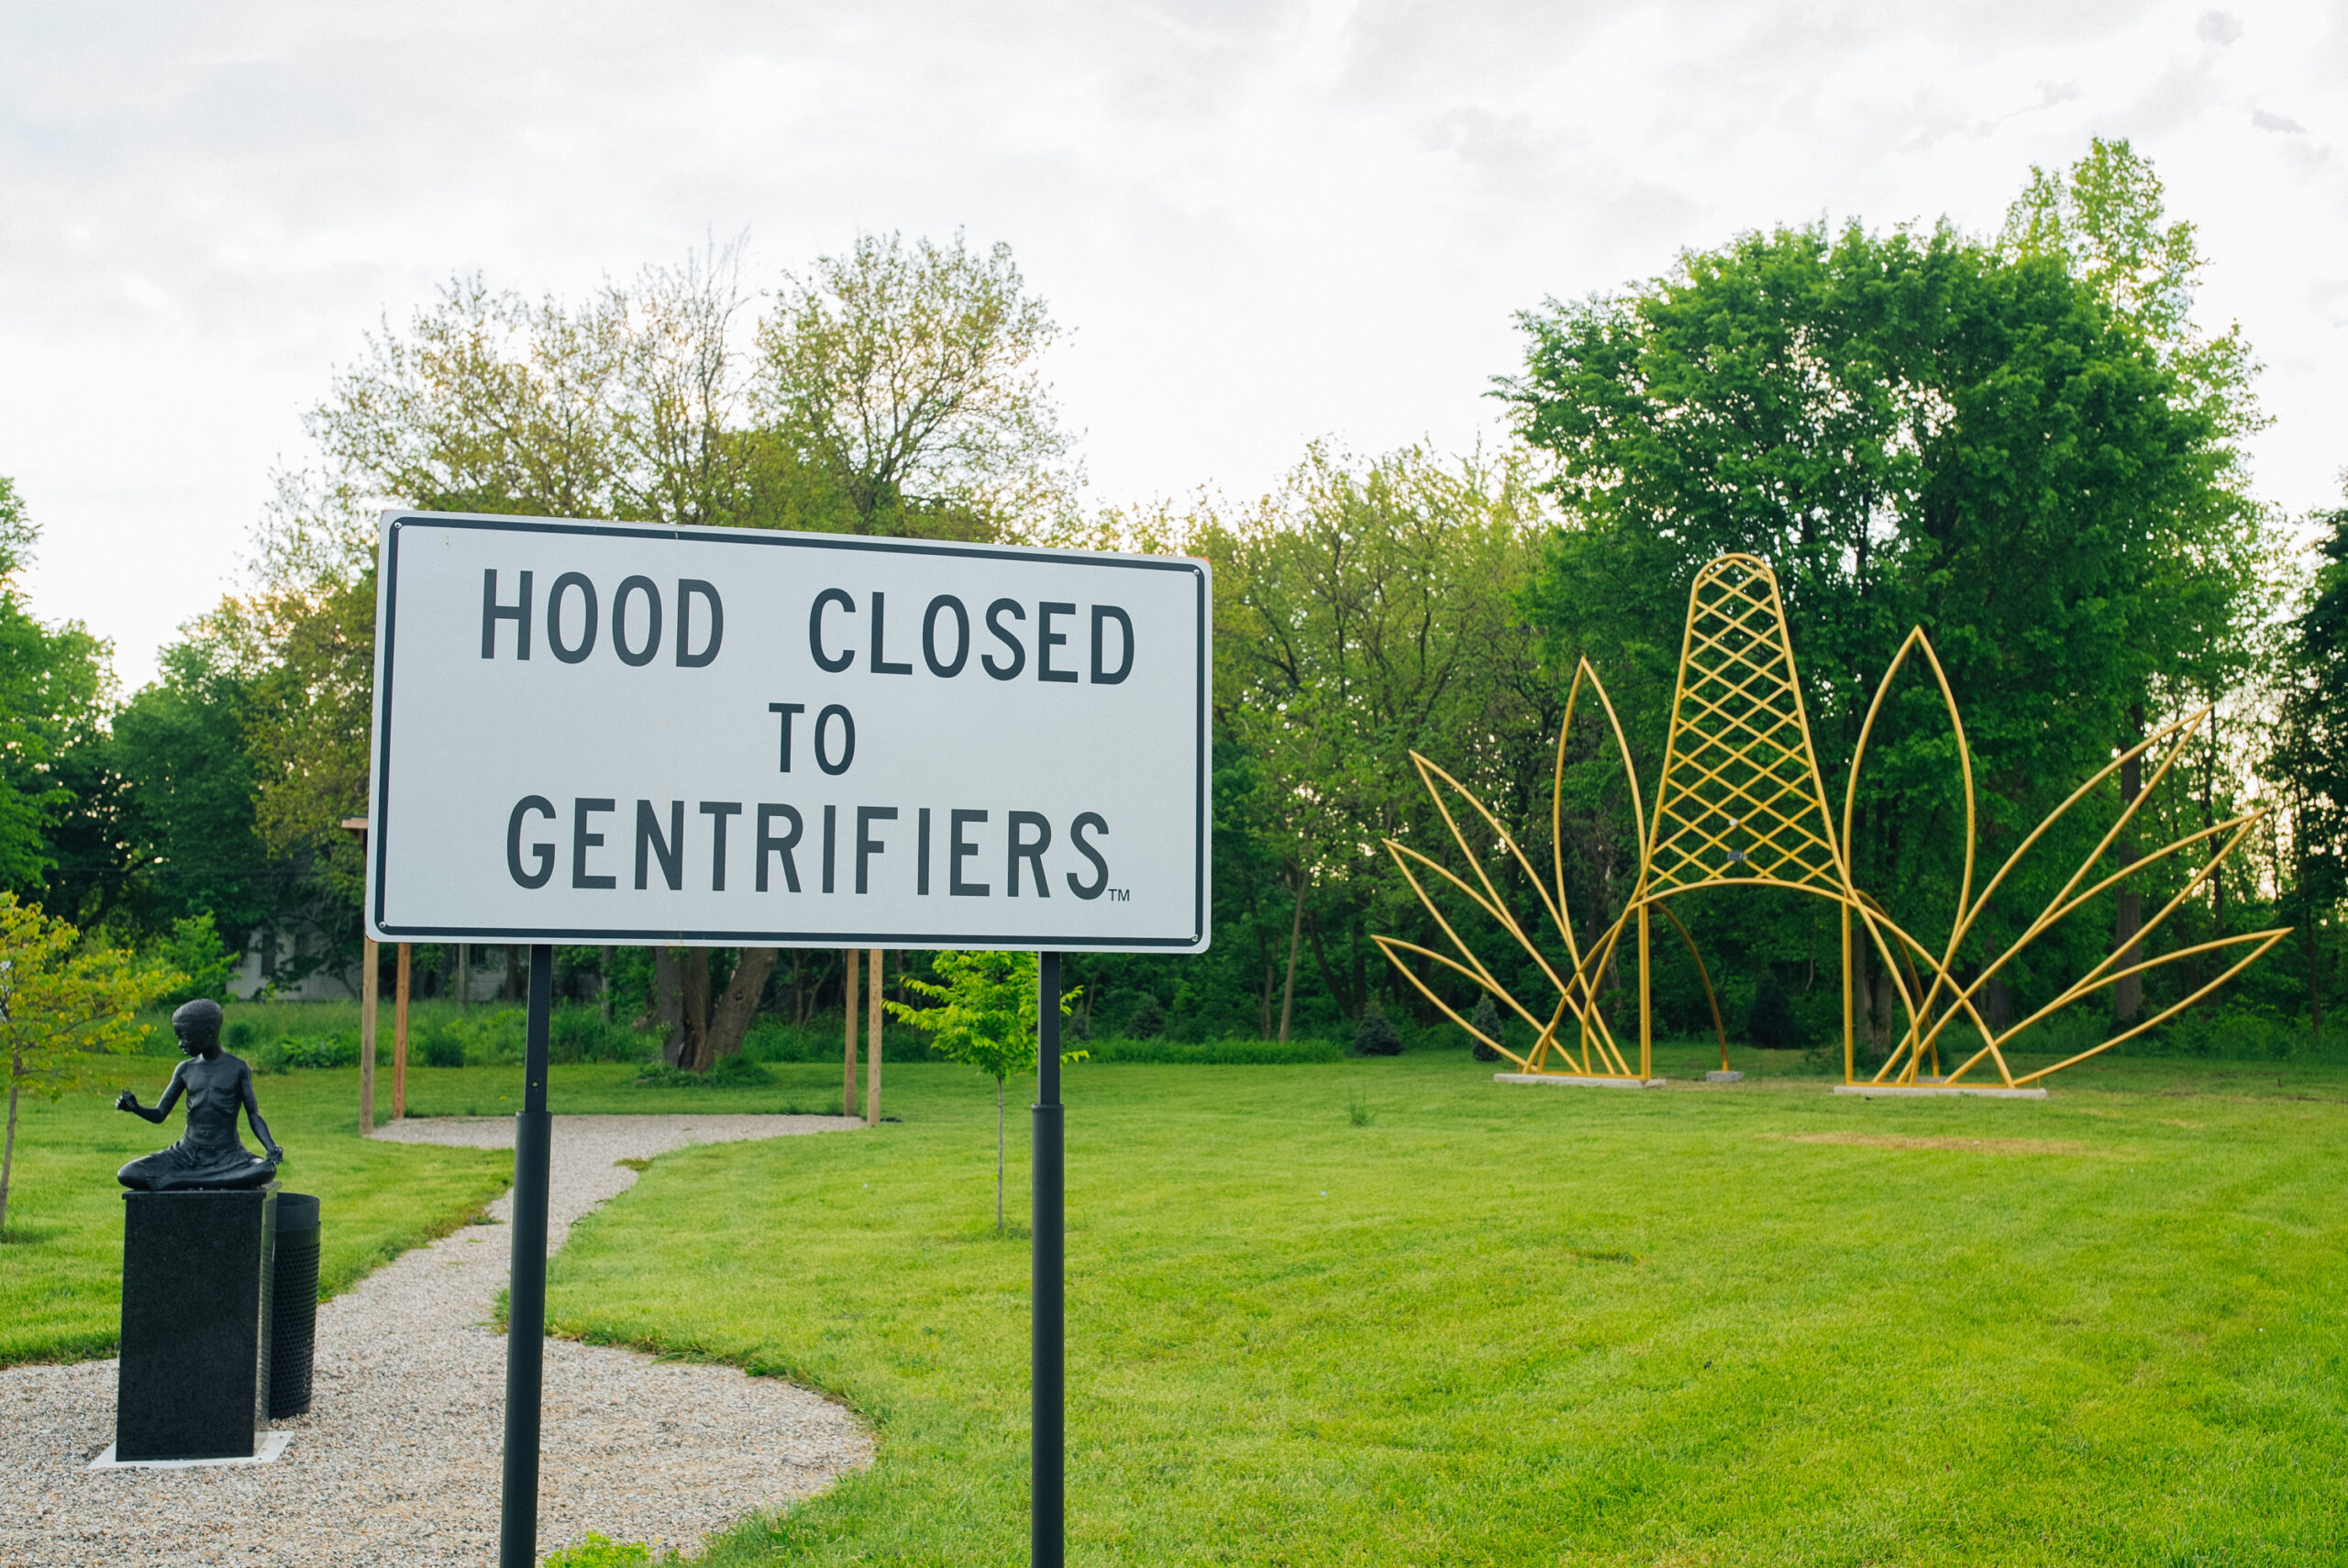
[2314, 945]
[464, 976]
[1347, 1002]
[2128, 994]
[667, 1004]
[1886, 1014]
[729, 1021]
[8, 1158]
[692, 1008]
[610, 958]
[1998, 1004]
[1271, 981]
[1295, 937]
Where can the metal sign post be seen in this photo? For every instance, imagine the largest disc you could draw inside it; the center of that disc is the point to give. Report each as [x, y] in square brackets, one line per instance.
[620, 735]
[1047, 1437]
[525, 1295]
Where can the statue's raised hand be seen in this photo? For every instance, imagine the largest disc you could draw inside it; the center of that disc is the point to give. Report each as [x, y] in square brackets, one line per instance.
[127, 1100]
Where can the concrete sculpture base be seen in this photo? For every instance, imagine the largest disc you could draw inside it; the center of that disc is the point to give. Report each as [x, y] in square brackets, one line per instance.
[1926, 1091]
[1565, 1080]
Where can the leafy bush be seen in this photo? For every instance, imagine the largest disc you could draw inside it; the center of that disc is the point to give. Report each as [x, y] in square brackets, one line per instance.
[1147, 1021]
[774, 1040]
[1486, 1019]
[729, 1072]
[314, 1051]
[1770, 1021]
[2227, 1034]
[196, 950]
[595, 1551]
[583, 1034]
[440, 1048]
[1215, 1052]
[1376, 1035]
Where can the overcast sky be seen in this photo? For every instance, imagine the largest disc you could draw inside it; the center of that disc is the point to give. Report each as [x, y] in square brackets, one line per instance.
[1264, 222]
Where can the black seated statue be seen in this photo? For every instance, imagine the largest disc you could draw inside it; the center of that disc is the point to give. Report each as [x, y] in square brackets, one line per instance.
[217, 1086]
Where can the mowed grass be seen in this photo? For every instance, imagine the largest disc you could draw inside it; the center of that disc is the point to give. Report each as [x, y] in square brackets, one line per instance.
[61, 1256]
[1500, 1325]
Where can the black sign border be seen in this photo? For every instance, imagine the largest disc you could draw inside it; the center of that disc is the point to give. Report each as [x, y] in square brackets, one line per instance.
[387, 622]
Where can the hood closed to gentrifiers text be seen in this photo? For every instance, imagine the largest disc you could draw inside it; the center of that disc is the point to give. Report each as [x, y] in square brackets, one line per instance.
[591, 731]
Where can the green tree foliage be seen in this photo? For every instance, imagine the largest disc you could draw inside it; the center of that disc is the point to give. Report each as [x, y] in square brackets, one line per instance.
[899, 392]
[892, 390]
[54, 690]
[194, 952]
[1913, 428]
[62, 999]
[1366, 611]
[983, 1012]
[2310, 753]
[181, 749]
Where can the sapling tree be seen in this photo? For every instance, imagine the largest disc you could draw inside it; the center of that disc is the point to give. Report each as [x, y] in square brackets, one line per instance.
[60, 1002]
[983, 1015]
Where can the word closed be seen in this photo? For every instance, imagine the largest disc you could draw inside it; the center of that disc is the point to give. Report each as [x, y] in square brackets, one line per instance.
[602, 733]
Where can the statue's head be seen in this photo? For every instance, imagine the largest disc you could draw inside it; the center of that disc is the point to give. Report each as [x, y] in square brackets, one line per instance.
[198, 1026]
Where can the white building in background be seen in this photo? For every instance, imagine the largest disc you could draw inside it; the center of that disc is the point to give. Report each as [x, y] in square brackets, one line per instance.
[267, 955]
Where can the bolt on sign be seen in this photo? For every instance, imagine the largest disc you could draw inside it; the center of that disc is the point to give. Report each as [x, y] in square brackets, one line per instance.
[598, 733]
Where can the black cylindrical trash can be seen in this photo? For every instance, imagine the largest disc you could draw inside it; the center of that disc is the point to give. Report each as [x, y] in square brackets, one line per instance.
[294, 1302]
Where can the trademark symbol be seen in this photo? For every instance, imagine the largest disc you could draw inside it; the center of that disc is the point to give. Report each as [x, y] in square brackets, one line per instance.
[1122, 895]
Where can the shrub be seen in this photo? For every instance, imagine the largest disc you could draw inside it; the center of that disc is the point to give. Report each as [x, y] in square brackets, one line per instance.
[1227, 1052]
[442, 1049]
[196, 950]
[1486, 1019]
[1770, 1022]
[317, 1051]
[729, 1072]
[1376, 1035]
[584, 1034]
[595, 1551]
[1147, 1020]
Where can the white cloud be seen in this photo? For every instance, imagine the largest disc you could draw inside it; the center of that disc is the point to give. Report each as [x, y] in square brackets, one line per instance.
[1266, 222]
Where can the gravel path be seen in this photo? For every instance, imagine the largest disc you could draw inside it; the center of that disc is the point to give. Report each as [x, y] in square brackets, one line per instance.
[397, 1461]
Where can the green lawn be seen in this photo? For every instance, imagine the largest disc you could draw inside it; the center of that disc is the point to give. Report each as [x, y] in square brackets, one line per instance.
[61, 1257]
[1531, 1325]
[1494, 1325]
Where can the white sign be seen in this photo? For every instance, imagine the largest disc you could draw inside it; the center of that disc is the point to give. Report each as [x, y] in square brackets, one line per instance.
[601, 732]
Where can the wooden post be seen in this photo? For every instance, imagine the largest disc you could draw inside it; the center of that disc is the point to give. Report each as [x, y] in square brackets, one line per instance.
[872, 1046]
[369, 985]
[399, 1040]
[848, 1076]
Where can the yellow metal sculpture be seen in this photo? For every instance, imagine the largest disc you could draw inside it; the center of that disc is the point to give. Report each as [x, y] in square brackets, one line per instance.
[1741, 802]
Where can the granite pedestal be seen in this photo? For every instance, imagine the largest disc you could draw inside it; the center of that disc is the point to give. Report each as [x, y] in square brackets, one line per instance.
[196, 1276]
[294, 1304]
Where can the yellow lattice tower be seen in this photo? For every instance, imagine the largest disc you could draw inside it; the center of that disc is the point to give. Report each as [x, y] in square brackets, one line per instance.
[1741, 799]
